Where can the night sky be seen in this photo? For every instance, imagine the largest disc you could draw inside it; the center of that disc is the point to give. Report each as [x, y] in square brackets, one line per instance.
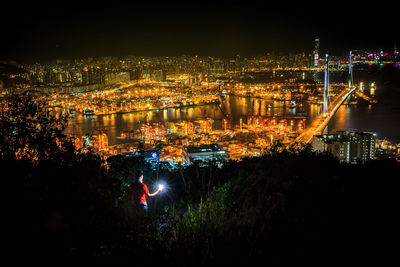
[71, 29]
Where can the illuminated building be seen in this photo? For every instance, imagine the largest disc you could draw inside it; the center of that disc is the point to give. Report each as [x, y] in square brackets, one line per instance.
[93, 75]
[361, 87]
[217, 69]
[188, 127]
[206, 125]
[103, 141]
[347, 146]
[203, 154]
[117, 77]
[372, 90]
[158, 75]
[316, 52]
[153, 132]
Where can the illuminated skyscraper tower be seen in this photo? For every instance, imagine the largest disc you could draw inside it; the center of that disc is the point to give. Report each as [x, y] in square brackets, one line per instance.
[316, 52]
[326, 87]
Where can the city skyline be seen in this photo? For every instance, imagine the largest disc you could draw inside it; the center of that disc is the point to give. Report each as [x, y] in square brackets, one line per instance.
[200, 133]
[43, 32]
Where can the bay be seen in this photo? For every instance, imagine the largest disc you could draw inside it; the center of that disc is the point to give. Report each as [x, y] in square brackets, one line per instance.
[382, 118]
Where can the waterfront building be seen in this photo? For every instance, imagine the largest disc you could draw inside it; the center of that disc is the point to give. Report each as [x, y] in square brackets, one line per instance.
[347, 146]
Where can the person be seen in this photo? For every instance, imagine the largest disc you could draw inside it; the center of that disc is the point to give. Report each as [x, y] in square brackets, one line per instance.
[140, 191]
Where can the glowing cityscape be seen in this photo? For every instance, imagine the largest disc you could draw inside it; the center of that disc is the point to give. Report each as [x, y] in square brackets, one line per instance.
[281, 85]
[200, 133]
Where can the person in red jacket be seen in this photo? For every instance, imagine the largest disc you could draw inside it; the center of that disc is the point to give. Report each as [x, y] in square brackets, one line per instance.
[141, 192]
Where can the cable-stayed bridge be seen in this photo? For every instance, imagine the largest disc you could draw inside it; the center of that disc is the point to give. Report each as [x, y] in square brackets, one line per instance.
[329, 109]
[319, 124]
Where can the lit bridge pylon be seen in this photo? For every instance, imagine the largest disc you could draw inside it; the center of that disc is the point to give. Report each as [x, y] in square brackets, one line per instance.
[326, 87]
[329, 108]
[350, 80]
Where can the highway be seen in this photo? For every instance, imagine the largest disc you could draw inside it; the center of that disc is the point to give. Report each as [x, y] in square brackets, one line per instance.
[322, 121]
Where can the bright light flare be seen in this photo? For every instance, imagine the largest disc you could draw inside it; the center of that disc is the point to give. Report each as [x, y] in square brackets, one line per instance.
[160, 187]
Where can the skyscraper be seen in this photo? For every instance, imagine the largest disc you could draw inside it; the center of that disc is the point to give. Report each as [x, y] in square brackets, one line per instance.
[158, 75]
[316, 52]
[347, 146]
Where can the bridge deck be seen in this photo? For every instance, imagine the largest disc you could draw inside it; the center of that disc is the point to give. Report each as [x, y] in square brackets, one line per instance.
[322, 121]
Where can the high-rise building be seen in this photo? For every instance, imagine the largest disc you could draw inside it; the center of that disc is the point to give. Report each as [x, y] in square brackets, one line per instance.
[134, 74]
[113, 77]
[158, 75]
[347, 146]
[316, 52]
[93, 75]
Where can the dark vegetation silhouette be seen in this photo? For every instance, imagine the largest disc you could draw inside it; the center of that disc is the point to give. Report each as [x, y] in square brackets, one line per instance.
[290, 206]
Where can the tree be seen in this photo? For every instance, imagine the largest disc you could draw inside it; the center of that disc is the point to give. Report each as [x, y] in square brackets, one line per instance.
[58, 197]
[29, 130]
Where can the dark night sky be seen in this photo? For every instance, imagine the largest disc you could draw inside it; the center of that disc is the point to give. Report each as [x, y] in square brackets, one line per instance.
[71, 29]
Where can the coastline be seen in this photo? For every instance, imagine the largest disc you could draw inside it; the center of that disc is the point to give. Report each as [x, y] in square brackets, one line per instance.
[147, 110]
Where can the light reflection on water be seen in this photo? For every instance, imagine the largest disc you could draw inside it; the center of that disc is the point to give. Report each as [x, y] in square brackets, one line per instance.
[382, 118]
[237, 107]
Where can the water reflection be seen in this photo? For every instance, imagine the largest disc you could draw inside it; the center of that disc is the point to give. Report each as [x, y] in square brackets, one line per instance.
[382, 118]
[237, 107]
[339, 121]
